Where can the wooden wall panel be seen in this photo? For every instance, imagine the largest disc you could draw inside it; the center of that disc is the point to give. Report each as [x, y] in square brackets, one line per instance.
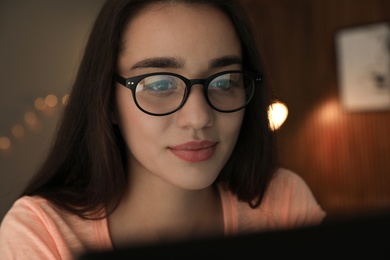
[344, 157]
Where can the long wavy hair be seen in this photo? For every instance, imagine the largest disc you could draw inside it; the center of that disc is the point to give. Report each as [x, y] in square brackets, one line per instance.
[85, 170]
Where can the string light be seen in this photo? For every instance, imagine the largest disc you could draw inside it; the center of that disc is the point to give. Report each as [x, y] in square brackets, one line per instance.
[65, 99]
[31, 119]
[18, 131]
[51, 100]
[40, 103]
[5, 143]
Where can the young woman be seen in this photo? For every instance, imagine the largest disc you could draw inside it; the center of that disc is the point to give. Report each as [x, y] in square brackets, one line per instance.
[165, 137]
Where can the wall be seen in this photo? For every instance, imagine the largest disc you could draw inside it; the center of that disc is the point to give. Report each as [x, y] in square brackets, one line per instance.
[344, 156]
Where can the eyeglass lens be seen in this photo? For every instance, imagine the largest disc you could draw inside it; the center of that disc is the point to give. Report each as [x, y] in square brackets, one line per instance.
[159, 94]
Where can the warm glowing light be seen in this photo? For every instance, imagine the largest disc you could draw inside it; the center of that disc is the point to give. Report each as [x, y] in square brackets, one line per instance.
[5, 143]
[31, 118]
[40, 103]
[18, 131]
[277, 114]
[51, 100]
[65, 99]
[330, 112]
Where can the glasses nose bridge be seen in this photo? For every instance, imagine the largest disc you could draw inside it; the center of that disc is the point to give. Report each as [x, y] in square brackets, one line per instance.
[192, 82]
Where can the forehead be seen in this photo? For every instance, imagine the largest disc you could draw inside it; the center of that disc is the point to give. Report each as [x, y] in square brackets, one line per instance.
[180, 30]
[177, 15]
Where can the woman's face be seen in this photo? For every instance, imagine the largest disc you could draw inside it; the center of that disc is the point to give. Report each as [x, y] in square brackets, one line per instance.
[186, 149]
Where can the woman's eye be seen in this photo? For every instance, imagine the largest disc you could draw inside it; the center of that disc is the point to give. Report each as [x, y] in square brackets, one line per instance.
[221, 84]
[161, 85]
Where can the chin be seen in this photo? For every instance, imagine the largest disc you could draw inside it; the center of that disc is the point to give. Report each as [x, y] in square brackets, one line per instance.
[196, 183]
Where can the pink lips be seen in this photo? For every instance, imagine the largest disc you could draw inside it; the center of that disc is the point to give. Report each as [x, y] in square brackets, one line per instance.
[194, 151]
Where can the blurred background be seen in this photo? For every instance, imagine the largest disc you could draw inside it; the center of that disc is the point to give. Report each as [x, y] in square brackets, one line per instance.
[41, 45]
[343, 155]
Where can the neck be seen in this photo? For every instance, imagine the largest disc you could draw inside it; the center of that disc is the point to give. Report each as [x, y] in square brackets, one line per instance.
[150, 214]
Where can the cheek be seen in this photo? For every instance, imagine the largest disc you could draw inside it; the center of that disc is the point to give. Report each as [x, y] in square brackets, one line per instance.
[128, 116]
[230, 129]
[233, 124]
[126, 111]
[136, 126]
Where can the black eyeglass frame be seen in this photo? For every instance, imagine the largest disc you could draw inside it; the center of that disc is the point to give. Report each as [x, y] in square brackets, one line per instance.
[132, 82]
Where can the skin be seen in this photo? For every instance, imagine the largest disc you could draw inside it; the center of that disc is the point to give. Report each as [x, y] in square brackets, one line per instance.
[170, 197]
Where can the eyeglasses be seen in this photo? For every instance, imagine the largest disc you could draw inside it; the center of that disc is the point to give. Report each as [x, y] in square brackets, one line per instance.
[163, 93]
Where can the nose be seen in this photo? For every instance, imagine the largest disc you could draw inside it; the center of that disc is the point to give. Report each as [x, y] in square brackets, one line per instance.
[196, 112]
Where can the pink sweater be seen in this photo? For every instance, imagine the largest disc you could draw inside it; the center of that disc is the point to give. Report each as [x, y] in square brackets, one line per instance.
[34, 228]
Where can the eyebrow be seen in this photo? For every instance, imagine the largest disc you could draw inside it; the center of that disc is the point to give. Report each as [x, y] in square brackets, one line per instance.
[160, 62]
[225, 61]
[175, 63]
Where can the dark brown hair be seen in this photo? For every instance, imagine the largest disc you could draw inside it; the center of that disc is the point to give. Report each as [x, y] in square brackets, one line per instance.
[85, 170]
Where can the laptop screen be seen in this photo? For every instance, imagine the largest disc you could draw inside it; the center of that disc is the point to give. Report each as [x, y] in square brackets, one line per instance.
[353, 238]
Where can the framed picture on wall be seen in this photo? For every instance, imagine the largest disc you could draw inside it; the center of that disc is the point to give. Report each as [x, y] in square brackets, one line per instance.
[363, 66]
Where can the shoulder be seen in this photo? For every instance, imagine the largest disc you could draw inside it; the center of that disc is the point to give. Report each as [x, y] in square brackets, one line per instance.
[34, 223]
[28, 212]
[31, 205]
[35, 210]
[287, 203]
[290, 200]
[288, 184]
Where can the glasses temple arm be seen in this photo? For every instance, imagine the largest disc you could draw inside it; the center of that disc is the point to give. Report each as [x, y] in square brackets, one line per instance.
[120, 79]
